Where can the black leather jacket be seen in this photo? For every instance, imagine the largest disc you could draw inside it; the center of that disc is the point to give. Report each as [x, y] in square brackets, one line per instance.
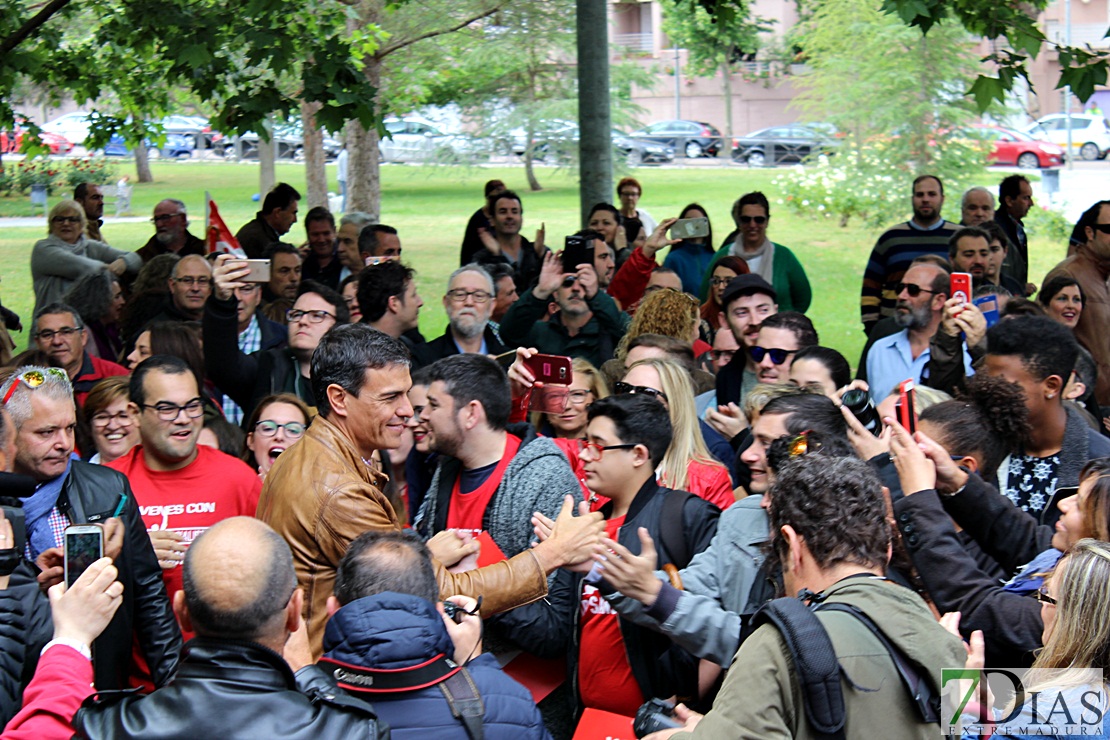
[145, 611]
[229, 689]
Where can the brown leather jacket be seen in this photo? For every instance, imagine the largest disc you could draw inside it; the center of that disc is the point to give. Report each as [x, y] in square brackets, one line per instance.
[1091, 331]
[320, 495]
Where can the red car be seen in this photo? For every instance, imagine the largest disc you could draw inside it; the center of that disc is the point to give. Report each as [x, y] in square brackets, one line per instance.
[1010, 147]
[10, 141]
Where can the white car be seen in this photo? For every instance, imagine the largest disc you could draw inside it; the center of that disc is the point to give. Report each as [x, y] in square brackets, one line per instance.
[416, 140]
[74, 126]
[1090, 135]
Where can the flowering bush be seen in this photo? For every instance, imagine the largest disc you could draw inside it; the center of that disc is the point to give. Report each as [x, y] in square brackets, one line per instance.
[54, 174]
[97, 170]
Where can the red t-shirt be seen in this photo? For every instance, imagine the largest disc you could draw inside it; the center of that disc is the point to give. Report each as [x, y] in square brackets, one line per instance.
[467, 510]
[605, 679]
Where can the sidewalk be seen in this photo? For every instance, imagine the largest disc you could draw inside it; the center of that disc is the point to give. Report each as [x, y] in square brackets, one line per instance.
[30, 221]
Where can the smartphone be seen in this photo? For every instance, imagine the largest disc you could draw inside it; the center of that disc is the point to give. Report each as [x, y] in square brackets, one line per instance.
[988, 304]
[577, 250]
[690, 228]
[84, 545]
[904, 408]
[961, 287]
[550, 369]
[260, 271]
[549, 399]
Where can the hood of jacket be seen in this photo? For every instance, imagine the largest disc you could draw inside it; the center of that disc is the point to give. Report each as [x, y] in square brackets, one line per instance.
[387, 631]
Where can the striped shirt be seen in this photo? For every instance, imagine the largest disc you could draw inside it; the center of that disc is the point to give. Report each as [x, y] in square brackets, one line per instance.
[891, 257]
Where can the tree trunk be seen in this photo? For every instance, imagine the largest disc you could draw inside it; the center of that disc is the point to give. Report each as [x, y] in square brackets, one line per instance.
[266, 176]
[142, 163]
[529, 155]
[595, 145]
[314, 158]
[364, 191]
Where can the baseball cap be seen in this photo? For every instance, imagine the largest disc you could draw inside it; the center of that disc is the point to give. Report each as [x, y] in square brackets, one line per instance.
[743, 285]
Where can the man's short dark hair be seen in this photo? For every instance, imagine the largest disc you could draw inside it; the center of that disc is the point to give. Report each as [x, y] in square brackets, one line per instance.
[919, 178]
[590, 234]
[1044, 346]
[995, 233]
[377, 284]
[319, 213]
[337, 301]
[498, 271]
[55, 308]
[472, 377]
[344, 355]
[639, 419]
[836, 505]
[796, 323]
[510, 194]
[368, 238]
[1010, 187]
[280, 197]
[254, 619]
[276, 248]
[168, 364]
[963, 233]
[815, 412]
[380, 561]
[82, 190]
[1089, 218]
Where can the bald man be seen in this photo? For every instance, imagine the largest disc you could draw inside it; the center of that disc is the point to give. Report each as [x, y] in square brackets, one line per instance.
[241, 599]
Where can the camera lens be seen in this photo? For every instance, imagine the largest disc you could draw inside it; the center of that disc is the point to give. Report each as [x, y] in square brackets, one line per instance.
[861, 406]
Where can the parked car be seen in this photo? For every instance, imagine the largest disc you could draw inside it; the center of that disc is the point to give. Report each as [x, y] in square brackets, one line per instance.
[288, 141]
[1012, 147]
[641, 151]
[782, 145]
[559, 140]
[692, 138]
[418, 140]
[73, 126]
[1090, 134]
[176, 146]
[12, 141]
[195, 126]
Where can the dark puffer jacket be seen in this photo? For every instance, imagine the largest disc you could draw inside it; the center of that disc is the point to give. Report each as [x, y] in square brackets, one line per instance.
[391, 631]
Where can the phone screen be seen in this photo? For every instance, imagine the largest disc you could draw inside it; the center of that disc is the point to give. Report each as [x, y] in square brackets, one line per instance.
[82, 549]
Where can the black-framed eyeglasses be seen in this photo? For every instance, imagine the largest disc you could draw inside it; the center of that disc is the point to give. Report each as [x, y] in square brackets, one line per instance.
[598, 450]
[721, 354]
[913, 290]
[103, 419]
[33, 379]
[753, 219]
[1043, 597]
[777, 355]
[65, 332]
[458, 295]
[719, 281]
[312, 317]
[620, 388]
[66, 219]
[171, 411]
[164, 217]
[269, 428]
[201, 282]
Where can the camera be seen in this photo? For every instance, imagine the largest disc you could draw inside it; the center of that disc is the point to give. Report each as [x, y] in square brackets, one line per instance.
[456, 613]
[863, 408]
[654, 715]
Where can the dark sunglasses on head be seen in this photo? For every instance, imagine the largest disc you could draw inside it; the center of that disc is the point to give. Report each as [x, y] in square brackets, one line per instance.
[913, 290]
[778, 356]
[750, 219]
[621, 388]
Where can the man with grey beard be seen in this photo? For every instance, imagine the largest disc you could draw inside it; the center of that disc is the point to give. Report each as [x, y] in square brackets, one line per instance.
[920, 307]
[469, 304]
[171, 233]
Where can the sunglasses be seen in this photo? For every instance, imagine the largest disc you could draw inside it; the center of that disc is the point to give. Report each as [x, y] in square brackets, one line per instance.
[33, 379]
[756, 219]
[1104, 228]
[1043, 597]
[778, 356]
[621, 388]
[913, 290]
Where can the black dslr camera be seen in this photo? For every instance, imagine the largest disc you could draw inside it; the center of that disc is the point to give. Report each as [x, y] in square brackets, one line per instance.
[654, 715]
[12, 506]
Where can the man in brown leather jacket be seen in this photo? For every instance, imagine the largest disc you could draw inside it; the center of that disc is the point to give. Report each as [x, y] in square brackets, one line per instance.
[322, 493]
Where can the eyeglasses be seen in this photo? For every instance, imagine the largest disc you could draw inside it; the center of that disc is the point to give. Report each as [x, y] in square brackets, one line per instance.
[913, 290]
[458, 295]
[312, 317]
[721, 354]
[33, 379]
[1104, 228]
[596, 449]
[170, 411]
[65, 332]
[104, 420]
[621, 388]
[1042, 595]
[191, 281]
[66, 219]
[778, 356]
[719, 281]
[756, 219]
[579, 397]
[164, 217]
[269, 428]
[630, 194]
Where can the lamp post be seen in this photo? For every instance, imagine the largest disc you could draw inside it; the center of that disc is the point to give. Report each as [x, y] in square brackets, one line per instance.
[677, 83]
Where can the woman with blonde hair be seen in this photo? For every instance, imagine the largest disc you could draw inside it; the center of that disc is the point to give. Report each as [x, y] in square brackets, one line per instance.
[587, 385]
[666, 313]
[687, 464]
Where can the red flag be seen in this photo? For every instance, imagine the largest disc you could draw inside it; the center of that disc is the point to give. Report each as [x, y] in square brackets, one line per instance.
[219, 237]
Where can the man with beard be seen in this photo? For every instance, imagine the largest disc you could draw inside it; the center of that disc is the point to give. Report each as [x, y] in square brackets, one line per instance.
[469, 303]
[746, 302]
[588, 323]
[926, 233]
[921, 295]
[171, 233]
[978, 251]
[504, 243]
[91, 199]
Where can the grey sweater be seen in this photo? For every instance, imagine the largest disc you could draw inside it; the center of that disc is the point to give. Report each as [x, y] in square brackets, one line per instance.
[57, 264]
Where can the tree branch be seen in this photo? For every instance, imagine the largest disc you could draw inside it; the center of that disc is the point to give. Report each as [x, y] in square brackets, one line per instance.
[31, 25]
[386, 51]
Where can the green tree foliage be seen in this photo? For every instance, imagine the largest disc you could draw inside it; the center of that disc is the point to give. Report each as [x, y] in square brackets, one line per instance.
[896, 99]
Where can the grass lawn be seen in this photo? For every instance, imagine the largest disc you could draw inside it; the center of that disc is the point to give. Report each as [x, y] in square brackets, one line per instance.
[431, 205]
